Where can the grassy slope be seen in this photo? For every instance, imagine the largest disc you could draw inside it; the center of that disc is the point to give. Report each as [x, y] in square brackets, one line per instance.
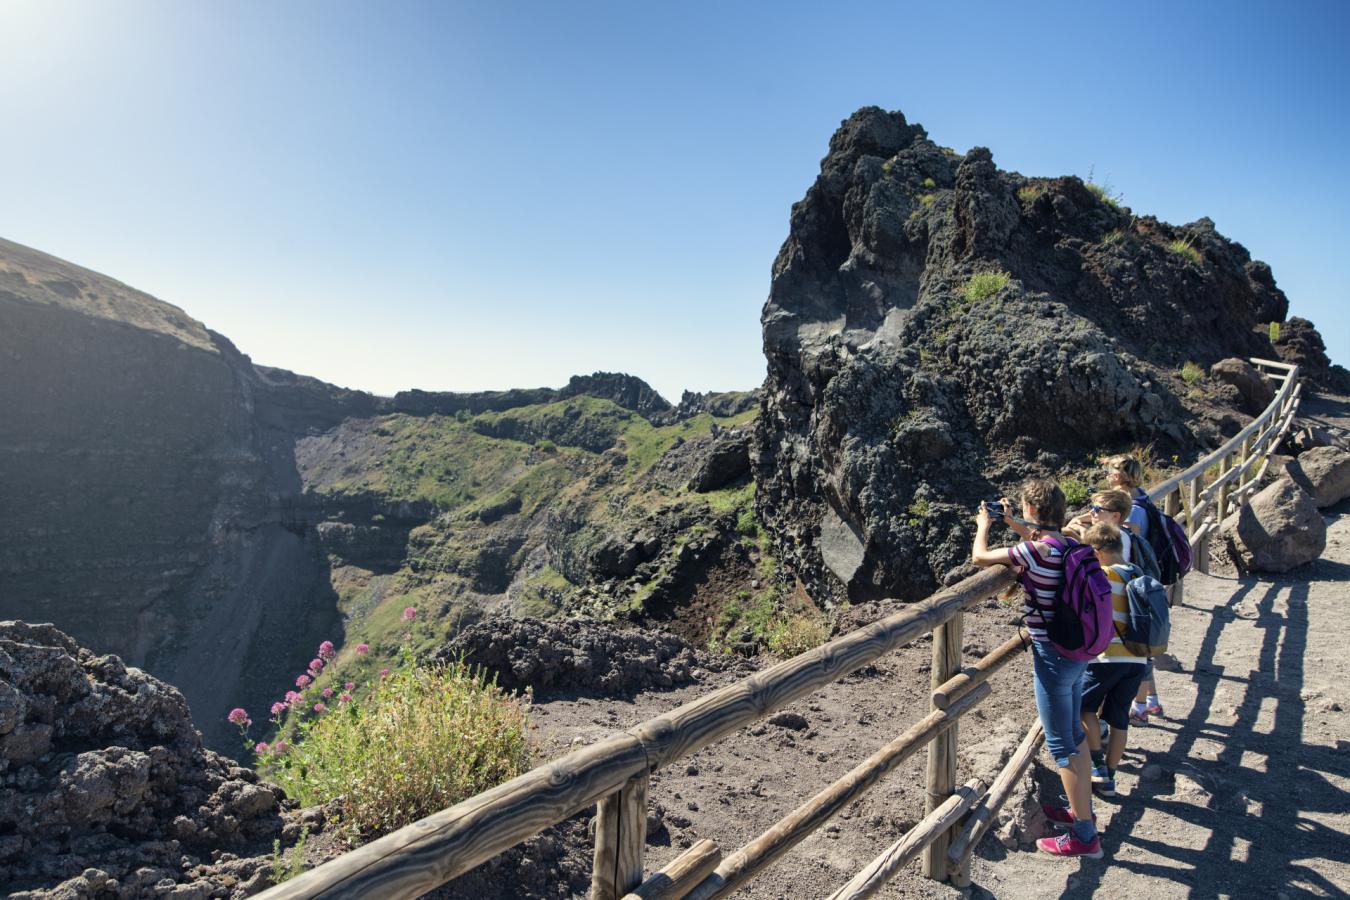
[449, 463]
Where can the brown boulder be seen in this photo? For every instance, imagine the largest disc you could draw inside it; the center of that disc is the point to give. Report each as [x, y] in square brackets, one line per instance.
[1251, 385]
[1324, 472]
[1277, 530]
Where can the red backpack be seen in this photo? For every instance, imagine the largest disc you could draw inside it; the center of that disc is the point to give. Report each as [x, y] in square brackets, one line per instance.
[1083, 624]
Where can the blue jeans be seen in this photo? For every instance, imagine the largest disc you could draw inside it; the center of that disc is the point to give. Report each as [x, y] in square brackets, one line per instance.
[1059, 700]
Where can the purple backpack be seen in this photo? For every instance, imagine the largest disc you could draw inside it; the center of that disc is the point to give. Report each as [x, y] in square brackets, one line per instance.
[1083, 624]
[1168, 540]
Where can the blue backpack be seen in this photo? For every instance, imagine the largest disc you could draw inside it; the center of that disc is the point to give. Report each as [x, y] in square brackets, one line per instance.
[1148, 623]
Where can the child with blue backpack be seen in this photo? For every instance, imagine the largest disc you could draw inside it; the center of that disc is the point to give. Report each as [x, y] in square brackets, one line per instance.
[1042, 559]
[1110, 683]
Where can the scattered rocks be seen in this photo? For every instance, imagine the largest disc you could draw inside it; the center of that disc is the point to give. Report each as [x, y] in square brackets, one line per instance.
[1277, 530]
[789, 720]
[578, 654]
[1324, 472]
[107, 790]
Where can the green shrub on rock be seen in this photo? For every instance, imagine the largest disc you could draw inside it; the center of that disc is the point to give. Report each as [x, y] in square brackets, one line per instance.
[984, 285]
[424, 738]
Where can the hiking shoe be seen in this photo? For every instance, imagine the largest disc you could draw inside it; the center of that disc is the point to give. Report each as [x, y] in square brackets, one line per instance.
[1140, 715]
[1068, 844]
[1103, 782]
[1155, 709]
[1061, 816]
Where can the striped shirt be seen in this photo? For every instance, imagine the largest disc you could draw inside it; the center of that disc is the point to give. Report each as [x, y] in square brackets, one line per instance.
[1040, 567]
[1115, 652]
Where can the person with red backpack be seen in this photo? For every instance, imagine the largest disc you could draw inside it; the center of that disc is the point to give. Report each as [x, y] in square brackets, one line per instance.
[1067, 610]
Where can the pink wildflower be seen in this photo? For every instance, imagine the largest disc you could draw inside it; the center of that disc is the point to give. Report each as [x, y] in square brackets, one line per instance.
[345, 698]
[362, 649]
[327, 650]
[384, 672]
[292, 696]
[261, 747]
[350, 686]
[409, 613]
[279, 747]
[319, 707]
[239, 717]
[315, 665]
[327, 693]
[278, 708]
[303, 681]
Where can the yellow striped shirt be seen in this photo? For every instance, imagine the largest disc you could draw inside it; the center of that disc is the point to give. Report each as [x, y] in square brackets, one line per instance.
[1120, 607]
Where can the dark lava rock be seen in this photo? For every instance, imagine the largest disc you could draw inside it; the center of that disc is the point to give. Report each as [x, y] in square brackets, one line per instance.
[1302, 345]
[1254, 390]
[901, 389]
[581, 655]
[105, 788]
[727, 460]
[627, 391]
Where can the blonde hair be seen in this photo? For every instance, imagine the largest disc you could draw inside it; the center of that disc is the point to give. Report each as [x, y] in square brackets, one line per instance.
[1115, 501]
[1044, 496]
[1104, 537]
[1130, 469]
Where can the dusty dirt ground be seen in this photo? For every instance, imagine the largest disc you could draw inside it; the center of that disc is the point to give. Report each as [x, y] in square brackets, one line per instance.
[1242, 790]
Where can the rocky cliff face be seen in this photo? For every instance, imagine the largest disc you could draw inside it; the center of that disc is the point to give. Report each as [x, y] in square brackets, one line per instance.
[938, 329]
[207, 519]
[149, 475]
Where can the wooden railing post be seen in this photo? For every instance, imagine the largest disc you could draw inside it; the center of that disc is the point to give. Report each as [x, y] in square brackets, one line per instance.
[1242, 459]
[1225, 466]
[620, 836]
[947, 639]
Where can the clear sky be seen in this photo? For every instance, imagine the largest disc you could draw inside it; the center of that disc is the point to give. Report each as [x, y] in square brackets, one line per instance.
[468, 196]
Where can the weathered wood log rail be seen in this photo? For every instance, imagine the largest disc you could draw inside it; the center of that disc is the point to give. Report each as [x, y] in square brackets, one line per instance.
[613, 775]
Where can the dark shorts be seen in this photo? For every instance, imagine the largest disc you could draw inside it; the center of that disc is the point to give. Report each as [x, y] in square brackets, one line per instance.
[1109, 688]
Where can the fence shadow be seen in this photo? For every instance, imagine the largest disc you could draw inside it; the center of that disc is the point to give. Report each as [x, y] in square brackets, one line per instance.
[1255, 797]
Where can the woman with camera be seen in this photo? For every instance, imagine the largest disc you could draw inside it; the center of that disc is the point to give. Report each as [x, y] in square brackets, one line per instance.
[1039, 561]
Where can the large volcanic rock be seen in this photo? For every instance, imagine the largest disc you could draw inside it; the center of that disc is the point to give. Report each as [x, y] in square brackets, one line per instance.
[901, 389]
[105, 788]
[1277, 530]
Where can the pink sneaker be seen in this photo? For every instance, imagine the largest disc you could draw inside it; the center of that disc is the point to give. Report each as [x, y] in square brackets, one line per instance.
[1140, 717]
[1068, 844]
[1155, 709]
[1061, 816]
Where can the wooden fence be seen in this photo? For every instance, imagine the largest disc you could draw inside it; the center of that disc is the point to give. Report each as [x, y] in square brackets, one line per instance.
[614, 774]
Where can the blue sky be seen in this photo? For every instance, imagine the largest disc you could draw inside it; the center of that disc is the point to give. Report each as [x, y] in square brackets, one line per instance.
[470, 196]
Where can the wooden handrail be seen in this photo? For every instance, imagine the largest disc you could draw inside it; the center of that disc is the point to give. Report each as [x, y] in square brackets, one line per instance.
[613, 773]
[1253, 427]
[431, 851]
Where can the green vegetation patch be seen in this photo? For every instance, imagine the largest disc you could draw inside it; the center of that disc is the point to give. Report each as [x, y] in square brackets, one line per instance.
[457, 734]
[1274, 331]
[1076, 493]
[918, 511]
[1192, 373]
[1184, 249]
[1104, 192]
[541, 595]
[1031, 192]
[984, 285]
